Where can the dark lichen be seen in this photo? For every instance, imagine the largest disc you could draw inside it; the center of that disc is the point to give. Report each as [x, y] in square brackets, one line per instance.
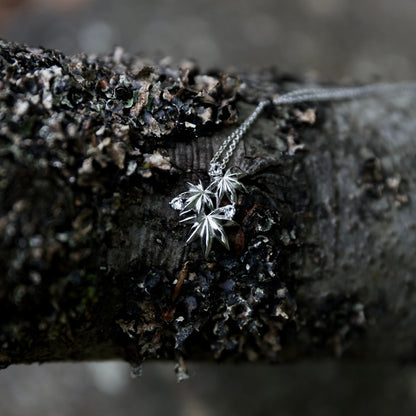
[84, 156]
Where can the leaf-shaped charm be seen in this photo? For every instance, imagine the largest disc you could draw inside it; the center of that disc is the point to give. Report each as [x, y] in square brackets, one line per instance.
[196, 205]
[208, 227]
[197, 198]
[228, 185]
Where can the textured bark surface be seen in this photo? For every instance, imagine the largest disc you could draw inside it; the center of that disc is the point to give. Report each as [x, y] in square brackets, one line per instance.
[93, 262]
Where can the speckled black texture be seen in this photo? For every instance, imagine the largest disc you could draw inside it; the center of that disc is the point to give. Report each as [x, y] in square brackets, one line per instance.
[92, 259]
[65, 176]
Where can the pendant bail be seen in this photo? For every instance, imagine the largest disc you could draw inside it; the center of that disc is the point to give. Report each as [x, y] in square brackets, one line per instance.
[215, 170]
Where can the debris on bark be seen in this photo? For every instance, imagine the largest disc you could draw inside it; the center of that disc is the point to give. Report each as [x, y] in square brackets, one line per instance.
[93, 262]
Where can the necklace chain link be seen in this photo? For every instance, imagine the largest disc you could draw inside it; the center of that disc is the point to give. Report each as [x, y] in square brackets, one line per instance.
[230, 143]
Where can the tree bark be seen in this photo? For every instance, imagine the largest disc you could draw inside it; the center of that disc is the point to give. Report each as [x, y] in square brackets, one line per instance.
[93, 261]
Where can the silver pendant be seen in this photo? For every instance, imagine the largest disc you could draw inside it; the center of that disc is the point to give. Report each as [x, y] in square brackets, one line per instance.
[208, 209]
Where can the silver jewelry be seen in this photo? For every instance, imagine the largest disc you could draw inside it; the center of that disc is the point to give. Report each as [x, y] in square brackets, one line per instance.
[209, 209]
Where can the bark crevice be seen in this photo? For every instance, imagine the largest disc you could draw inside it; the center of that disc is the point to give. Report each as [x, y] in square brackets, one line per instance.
[93, 259]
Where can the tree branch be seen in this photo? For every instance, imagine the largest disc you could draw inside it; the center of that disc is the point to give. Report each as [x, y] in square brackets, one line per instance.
[93, 262]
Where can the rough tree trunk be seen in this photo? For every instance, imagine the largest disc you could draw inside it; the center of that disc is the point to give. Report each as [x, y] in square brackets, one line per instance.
[93, 262]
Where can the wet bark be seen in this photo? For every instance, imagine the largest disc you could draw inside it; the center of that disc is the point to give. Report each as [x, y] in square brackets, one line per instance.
[92, 258]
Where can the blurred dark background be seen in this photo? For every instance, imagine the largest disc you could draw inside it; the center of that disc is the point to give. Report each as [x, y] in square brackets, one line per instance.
[330, 40]
[333, 39]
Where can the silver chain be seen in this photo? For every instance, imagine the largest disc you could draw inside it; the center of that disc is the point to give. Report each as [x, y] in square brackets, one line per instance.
[230, 143]
[341, 93]
[299, 96]
[208, 208]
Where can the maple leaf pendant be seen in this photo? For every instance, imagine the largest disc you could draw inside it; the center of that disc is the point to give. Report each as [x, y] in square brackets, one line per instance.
[228, 185]
[205, 208]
